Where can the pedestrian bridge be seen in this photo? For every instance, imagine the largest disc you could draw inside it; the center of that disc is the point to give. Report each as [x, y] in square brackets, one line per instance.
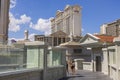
[31, 61]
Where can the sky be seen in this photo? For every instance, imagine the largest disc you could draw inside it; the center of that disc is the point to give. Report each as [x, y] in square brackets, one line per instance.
[35, 15]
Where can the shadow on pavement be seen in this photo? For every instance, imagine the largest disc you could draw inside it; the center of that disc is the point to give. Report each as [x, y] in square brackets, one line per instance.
[72, 76]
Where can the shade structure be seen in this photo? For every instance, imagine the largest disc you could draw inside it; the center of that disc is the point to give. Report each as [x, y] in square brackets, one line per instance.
[70, 44]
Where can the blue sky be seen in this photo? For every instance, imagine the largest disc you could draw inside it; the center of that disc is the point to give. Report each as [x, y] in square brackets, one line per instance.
[34, 15]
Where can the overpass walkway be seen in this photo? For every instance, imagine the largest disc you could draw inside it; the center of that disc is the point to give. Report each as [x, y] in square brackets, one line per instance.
[86, 75]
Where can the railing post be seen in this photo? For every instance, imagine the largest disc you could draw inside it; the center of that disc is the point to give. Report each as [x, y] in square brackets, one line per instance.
[45, 64]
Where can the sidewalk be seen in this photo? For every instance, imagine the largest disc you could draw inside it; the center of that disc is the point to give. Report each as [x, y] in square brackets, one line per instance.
[86, 75]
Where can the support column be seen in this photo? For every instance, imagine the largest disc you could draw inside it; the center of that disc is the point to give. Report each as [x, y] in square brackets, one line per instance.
[92, 58]
[117, 62]
[105, 63]
[45, 64]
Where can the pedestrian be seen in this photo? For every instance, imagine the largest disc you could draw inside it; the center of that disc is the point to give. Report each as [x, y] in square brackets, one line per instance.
[67, 67]
[73, 67]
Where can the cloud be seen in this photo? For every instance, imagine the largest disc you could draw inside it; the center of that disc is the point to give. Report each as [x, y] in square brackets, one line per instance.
[31, 37]
[15, 23]
[43, 25]
[12, 3]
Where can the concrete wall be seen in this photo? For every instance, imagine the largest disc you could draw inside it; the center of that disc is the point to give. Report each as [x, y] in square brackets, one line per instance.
[113, 73]
[79, 64]
[87, 66]
[110, 63]
[34, 74]
[119, 74]
[53, 73]
[105, 61]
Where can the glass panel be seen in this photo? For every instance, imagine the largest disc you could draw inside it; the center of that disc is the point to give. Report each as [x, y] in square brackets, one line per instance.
[11, 58]
[56, 58]
[49, 59]
[32, 57]
[41, 58]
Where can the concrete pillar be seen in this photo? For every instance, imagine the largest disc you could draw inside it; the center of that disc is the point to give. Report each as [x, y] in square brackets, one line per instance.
[4, 20]
[105, 61]
[45, 64]
[117, 62]
[92, 60]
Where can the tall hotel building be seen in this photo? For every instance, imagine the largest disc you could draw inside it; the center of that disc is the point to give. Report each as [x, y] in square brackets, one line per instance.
[65, 23]
[68, 21]
[4, 20]
[112, 28]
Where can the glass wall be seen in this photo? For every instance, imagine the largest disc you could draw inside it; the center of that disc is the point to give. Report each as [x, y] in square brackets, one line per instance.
[41, 58]
[11, 58]
[32, 57]
[54, 58]
[29, 56]
[35, 57]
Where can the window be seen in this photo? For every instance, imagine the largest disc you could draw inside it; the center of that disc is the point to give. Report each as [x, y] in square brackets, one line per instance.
[77, 50]
[55, 41]
[59, 41]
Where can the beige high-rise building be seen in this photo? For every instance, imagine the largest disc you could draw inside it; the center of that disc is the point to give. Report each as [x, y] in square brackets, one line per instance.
[103, 29]
[4, 20]
[68, 21]
[112, 28]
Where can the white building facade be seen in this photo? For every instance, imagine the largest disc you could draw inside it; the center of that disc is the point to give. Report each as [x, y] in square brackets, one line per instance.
[68, 21]
[105, 56]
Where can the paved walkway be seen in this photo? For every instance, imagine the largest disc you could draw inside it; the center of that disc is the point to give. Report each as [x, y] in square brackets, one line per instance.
[87, 75]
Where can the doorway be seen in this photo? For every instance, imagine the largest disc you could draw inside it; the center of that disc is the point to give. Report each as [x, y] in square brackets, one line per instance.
[98, 63]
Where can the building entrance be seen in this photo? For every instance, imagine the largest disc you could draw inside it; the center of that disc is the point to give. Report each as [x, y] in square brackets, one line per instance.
[98, 63]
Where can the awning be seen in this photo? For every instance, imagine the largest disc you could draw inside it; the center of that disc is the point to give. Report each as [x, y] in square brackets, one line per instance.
[70, 44]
